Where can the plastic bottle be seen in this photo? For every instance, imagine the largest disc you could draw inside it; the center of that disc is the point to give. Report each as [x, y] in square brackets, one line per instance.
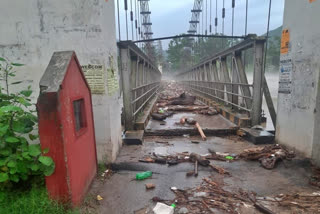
[161, 208]
[143, 175]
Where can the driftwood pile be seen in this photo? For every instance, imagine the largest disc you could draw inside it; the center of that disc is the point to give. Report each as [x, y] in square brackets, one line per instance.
[175, 99]
[268, 155]
[210, 197]
[186, 157]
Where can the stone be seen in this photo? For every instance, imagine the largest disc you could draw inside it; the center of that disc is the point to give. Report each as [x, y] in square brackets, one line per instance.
[183, 210]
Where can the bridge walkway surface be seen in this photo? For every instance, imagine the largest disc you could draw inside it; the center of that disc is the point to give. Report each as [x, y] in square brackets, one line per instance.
[230, 178]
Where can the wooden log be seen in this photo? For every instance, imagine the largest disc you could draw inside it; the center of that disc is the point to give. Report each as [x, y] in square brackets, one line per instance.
[203, 136]
[196, 168]
[187, 108]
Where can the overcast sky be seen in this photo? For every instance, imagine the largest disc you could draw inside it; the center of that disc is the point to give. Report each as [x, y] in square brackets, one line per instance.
[171, 17]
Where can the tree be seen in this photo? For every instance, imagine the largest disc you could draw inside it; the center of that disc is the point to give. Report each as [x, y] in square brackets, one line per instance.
[179, 53]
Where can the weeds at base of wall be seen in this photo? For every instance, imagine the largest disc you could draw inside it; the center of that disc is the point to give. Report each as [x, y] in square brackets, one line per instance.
[33, 201]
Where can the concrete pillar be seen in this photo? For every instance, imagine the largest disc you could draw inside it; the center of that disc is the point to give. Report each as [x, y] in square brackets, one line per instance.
[258, 74]
[298, 115]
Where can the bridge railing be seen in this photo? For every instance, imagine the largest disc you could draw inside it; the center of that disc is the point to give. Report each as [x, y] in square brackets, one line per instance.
[212, 78]
[140, 79]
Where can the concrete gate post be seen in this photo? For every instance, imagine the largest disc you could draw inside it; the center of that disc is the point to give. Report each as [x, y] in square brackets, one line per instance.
[66, 127]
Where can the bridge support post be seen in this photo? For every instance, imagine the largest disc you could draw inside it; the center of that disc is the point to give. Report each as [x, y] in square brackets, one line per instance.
[126, 87]
[258, 76]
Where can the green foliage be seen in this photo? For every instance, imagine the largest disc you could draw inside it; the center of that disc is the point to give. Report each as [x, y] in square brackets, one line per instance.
[18, 159]
[33, 201]
[185, 52]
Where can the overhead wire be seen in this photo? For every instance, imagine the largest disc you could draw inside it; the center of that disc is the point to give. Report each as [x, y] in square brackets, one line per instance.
[246, 24]
[139, 22]
[216, 19]
[233, 5]
[202, 21]
[265, 52]
[135, 18]
[210, 27]
[126, 9]
[206, 31]
[223, 16]
[131, 18]
[119, 20]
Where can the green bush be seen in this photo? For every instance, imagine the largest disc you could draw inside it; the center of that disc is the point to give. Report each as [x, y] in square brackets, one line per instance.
[19, 160]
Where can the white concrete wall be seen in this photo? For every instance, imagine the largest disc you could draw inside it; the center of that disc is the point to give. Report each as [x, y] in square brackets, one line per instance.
[30, 31]
[298, 114]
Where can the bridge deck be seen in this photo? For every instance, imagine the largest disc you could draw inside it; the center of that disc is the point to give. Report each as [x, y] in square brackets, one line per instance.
[123, 194]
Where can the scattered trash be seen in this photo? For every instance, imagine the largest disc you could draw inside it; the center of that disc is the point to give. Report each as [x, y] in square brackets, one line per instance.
[150, 186]
[147, 160]
[163, 142]
[174, 188]
[202, 161]
[200, 194]
[158, 116]
[192, 121]
[157, 199]
[161, 111]
[161, 208]
[240, 133]
[186, 135]
[195, 142]
[106, 173]
[99, 198]
[191, 173]
[143, 175]
[229, 157]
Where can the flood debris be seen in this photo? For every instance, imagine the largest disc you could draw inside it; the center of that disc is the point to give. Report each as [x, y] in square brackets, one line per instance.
[315, 177]
[147, 160]
[161, 116]
[194, 108]
[183, 99]
[195, 168]
[174, 99]
[150, 186]
[195, 142]
[162, 208]
[219, 170]
[210, 196]
[201, 160]
[295, 203]
[196, 159]
[268, 155]
[99, 198]
[192, 121]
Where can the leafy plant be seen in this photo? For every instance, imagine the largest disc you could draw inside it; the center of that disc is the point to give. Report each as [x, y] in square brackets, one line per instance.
[18, 159]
